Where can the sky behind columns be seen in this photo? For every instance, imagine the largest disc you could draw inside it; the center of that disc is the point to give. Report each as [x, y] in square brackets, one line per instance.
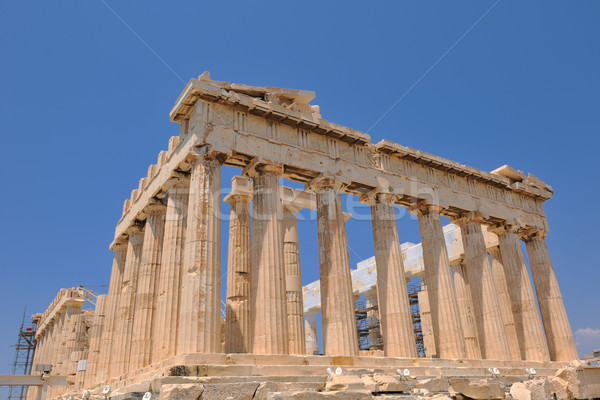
[85, 95]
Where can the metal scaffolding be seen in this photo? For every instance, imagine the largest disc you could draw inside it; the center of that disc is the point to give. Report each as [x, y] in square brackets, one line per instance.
[24, 350]
[369, 328]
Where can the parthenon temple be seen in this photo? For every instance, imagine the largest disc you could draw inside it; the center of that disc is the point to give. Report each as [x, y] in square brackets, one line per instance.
[164, 320]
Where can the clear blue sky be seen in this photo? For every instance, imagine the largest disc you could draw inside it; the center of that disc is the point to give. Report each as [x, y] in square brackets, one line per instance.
[84, 110]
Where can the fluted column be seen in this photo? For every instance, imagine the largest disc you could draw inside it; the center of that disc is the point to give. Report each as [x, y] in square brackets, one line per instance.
[145, 298]
[426, 322]
[200, 319]
[171, 270]
[513, 268]
[340, 337]
[488, 317]
[449, 338]
[238, 321]
[554, 315]
[269, 308]
[394, 308]
[293, 280]
[95, 340]
[109, 344]
[504, 300]
[122, 338]
[465, 309]
[311, 335]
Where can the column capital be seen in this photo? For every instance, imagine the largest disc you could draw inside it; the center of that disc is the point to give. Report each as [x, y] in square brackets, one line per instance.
[422, 208]
[472, 216]
[205, 153]
[376, 196]
[259, 166]
[177, 178]
[135, 229]
[322, 182]
[528, 235]
[241, 190]
[119, 244]
[155, 206]
[501, 229]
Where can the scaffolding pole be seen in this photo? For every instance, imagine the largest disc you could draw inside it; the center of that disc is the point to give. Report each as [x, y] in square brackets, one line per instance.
[24, 351]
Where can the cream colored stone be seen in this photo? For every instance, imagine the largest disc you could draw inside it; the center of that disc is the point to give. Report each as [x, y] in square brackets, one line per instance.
[344, 382]
[269, 303]
[181, 391]
[480, 389]
[394, 308]
[465, 309]
[537, 389]
[200, 303]
[238, 329]
[449, 338]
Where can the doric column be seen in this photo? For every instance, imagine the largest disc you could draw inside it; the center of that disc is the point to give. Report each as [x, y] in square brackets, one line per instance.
[95, 340]
[488, 317]
[449, 339]
[171, 271]
[238, 333]
[337, 303]
[200, 317]
[109, 345]
[394, 308]
[310, 329]
[293, 280]
[373, 320]
[465, 309]
[426, 322]
[269, 308]
[145, 297]
[513, 269]
[504, 302]
[122, 339]
[554, 316]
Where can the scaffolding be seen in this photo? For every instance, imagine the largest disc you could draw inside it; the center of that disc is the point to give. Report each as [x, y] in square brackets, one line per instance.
[369, 327]
[413, 298]
[24, 350]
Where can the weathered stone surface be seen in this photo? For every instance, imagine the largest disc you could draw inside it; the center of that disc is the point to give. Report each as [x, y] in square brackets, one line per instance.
[477, 388]
[344, 382]
[186, 391]
[337, 395]
[434, 384]
[228, 391]
[537, 389]
[390, 383]
[267, 388]
[559, 387]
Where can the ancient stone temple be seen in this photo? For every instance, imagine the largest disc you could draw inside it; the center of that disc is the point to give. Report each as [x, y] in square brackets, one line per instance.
[161, 323]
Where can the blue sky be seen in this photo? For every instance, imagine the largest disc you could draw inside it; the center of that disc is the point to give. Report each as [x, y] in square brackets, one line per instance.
[84, 110]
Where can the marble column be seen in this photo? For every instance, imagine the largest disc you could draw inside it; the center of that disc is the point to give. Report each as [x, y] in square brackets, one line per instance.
[504, 300]
[529, 329]
[122, 339]
[426, 322]
[238, 322]
[171, 271]
[293, 280]
[106, 355]
[311, 335]
[488, 317]
[465, 309]
[95, 340]
[146, 293]
[200, 309]
[373, 320]
[449, 338]
[394, 308]
[269, 306]
[340, 337]
[554, 315]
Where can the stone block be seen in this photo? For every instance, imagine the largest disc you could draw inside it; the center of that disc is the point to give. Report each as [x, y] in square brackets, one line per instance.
[537, 389]
[228, 391]
[559, 387]
[391, 383]
[479, 389]
[267, 388]
[434, 384]
[186, 391]
[370, 383]
[344, 382]
[337, 395]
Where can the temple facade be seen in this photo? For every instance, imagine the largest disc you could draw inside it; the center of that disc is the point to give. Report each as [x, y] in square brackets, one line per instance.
[164, 304]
